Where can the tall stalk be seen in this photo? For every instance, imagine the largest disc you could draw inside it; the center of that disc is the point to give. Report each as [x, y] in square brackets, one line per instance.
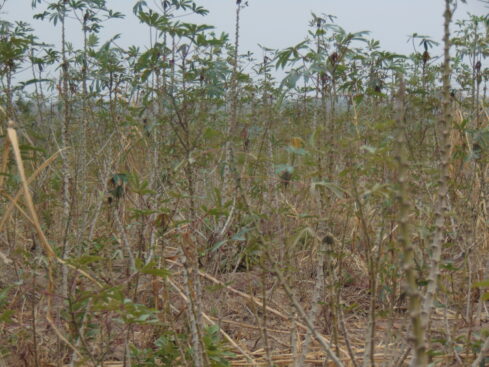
[82, 174]
[230, 170]
[418, 331]
[65, 133]
[441, 207]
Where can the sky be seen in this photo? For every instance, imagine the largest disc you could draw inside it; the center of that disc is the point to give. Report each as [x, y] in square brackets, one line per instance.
[275, 24]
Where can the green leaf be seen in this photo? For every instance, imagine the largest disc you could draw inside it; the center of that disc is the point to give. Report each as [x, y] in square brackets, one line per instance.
[153, 269]
[4, 296]
[6, 316]
[481, 284]
[217, 212]
[240, 236]
[281, 168]
[291, 79]
[218, 245]
[298, 151]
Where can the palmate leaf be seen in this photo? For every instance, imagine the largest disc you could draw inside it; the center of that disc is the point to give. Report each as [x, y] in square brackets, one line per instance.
[289, 54]
[291, 79]
[138, 7]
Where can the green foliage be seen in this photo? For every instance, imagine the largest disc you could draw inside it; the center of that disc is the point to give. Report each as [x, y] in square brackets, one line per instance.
[165, 351]
[117, 185]
[210, 157]
[214, 347]
[153, 269]
[15, 40]
[5, 314]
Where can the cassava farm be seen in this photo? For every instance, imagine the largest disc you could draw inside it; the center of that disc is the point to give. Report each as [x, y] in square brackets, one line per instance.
[186, 202]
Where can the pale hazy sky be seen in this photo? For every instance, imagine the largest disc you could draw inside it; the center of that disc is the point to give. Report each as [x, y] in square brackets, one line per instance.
[278, 23]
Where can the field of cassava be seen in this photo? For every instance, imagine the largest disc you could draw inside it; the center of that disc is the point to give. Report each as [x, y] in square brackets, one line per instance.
[191, 204]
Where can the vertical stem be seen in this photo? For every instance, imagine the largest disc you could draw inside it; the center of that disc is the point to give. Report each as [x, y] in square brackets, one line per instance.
[441, 208]
[230, 171]
[10, 105]
[194, 296]
[82, 176]
[316, 297]
[64, 145]
[417, 337]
